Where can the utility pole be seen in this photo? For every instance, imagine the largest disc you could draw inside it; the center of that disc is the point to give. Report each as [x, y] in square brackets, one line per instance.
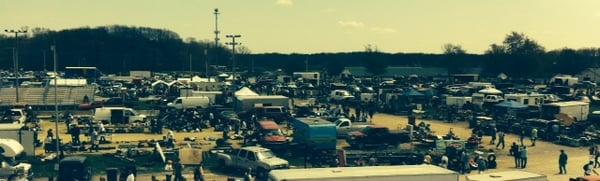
[306, 64]
[16, 58]
[205, 63]
[233, 43]
[53, 47]
[44, 67]
[217, 32]
[190, 63]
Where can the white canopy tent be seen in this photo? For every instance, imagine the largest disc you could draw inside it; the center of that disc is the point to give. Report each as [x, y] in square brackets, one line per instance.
[245, 91]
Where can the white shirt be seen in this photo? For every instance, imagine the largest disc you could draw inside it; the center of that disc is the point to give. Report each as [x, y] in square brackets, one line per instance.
[131, 177]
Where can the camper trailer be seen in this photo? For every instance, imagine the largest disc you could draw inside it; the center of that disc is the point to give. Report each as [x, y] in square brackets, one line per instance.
[532, 99]
[245, 103]
[458, 101]
[575, 109]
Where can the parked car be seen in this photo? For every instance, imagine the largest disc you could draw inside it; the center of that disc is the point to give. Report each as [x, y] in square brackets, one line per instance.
[258, 159]
[376, 136]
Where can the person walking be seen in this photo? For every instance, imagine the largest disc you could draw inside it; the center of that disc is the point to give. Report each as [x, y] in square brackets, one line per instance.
[500, 139]
[94, 141]
[534, 133]
[493, 134]
[169, 170]
[562, 162]
[523, 157]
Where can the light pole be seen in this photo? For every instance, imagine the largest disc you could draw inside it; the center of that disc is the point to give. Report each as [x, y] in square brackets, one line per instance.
[16, 59]
[233, 43]
[53, 48]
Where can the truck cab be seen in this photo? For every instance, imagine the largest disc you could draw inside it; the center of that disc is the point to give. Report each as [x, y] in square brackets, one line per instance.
[14, 116]
[345, 126]
[258, 159]
[270, 135]
[75, 168]
[341, 95]
[190, 102]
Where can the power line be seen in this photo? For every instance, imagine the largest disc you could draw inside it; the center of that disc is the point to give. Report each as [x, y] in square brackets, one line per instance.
[233, 43]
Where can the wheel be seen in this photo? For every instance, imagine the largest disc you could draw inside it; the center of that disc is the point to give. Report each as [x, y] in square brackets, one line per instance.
[261, 172]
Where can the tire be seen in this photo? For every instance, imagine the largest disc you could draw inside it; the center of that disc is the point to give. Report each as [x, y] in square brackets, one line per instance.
[261, 172]
[491, 158]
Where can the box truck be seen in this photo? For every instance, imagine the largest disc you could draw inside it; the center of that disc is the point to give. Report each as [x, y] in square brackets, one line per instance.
[190, 102]
[246, 103]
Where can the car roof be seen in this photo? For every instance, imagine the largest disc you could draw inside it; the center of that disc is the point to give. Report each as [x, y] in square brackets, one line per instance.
[254, 148]
[267, 124]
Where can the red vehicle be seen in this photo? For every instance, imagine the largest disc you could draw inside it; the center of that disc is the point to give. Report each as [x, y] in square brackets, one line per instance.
[376, 136]
[269, 134]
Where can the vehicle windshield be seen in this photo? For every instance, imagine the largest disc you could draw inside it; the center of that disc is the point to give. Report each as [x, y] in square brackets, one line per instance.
[344, 93]
[276, 132]
[265, 154]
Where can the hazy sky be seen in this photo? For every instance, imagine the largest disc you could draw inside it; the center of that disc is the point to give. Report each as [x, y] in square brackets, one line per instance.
[331, 25]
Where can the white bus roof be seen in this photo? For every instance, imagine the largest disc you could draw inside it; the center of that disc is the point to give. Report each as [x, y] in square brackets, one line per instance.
[505, 176]
[359, 172]
[569, 103]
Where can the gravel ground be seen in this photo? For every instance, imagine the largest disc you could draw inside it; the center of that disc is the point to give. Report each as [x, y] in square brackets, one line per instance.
[543, 158]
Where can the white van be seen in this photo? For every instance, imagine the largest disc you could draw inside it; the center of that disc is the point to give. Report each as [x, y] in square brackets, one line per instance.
[118, 115]
[190, 102]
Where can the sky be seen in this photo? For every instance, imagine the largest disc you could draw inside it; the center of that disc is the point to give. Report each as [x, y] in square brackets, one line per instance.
[312, 26]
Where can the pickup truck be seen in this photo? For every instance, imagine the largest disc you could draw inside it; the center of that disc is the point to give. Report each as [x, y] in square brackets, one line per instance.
[376, 136]
[257, 159]
[341, 96]
[345, 126]
[14, 116]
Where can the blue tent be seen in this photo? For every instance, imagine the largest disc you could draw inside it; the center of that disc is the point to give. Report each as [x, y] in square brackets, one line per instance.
[511, 105]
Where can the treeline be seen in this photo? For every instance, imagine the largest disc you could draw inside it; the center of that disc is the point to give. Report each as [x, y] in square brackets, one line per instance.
[116, 49]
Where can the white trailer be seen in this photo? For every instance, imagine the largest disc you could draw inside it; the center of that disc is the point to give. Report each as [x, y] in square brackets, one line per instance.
[576, 109]
[378, 173]
[508, 176]
[533, 99]
[245, 103]
[458, 101]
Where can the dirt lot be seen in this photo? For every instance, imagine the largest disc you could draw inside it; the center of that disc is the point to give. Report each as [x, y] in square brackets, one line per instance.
[543, 158]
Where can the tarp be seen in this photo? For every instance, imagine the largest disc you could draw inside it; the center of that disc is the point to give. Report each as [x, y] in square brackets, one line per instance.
[511, 105]
[412, 93]
[159, 82]
[490, 91]
[245, 91]
[11, 147]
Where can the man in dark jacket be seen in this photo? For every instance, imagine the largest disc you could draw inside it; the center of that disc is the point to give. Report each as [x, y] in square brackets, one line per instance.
[562, 162]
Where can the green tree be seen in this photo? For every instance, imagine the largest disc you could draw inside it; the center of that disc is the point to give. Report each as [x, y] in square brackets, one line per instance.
[370, 61]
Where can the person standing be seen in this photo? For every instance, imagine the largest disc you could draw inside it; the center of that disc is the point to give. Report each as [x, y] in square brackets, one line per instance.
[444, 161]
[562, 162]
[169, 170]
[523, 153]
[94, 141]
[534, 133]
[178, 171]
[514, 151]
[500, 139]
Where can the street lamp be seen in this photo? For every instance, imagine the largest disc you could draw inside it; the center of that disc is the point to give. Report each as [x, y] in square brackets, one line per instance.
[16, 59]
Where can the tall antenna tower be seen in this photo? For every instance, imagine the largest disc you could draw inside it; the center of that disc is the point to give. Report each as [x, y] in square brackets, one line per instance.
[216, 12]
